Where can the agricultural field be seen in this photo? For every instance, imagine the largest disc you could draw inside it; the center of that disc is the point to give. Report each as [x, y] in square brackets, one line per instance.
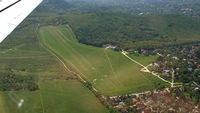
[109, 71]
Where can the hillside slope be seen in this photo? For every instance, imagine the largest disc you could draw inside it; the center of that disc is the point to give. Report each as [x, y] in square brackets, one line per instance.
[130, 31]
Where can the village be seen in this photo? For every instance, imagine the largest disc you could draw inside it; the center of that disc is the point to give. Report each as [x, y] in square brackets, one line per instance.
[182, 61]
[168, 100]
[181, 65]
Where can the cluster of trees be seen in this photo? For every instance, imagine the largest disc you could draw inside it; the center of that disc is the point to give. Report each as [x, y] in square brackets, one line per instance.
[186, 75]
[11, 81]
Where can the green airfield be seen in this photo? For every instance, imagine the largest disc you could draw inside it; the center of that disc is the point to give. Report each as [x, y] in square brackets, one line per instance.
[109, 71]
[114, 73]
[23, 55]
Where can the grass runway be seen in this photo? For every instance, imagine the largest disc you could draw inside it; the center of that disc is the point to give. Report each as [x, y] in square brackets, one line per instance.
[109, 71]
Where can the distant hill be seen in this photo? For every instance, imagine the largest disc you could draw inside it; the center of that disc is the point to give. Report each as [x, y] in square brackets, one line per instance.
[130, 31]
[54, 6]
[126, 23]
[186, 7]
[183, 7]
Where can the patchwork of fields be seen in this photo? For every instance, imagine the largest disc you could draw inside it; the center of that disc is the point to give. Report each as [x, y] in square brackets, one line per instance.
[109, 71]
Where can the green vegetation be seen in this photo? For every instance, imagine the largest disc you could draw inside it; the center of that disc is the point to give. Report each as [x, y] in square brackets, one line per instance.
[109, 71]
[54, 97]
[143, 59]
[10, 81]
[36, 78]
[134, 31]
[185, 7]
[22, 56]
[186, 67]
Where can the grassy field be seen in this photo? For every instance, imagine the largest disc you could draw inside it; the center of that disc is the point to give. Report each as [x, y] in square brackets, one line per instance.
[109, 71]
[53, 97]
[21, 54]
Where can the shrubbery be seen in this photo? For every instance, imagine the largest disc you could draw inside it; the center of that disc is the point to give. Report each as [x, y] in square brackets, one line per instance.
[10, 82]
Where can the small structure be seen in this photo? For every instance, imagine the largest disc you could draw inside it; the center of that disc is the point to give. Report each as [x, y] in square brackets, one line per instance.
[109, 46]
[122, 103]
[119, 107]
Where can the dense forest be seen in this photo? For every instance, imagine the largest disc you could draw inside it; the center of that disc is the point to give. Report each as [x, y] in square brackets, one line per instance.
[133, 31]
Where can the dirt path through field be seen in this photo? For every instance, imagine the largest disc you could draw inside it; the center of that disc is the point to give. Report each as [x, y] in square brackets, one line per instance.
[145, 69]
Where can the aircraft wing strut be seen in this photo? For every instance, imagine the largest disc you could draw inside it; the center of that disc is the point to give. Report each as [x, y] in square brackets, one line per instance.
[12, 13]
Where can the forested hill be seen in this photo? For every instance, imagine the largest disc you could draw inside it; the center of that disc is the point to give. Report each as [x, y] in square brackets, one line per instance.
[130, 31]
[183, 7]
[99, 22]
